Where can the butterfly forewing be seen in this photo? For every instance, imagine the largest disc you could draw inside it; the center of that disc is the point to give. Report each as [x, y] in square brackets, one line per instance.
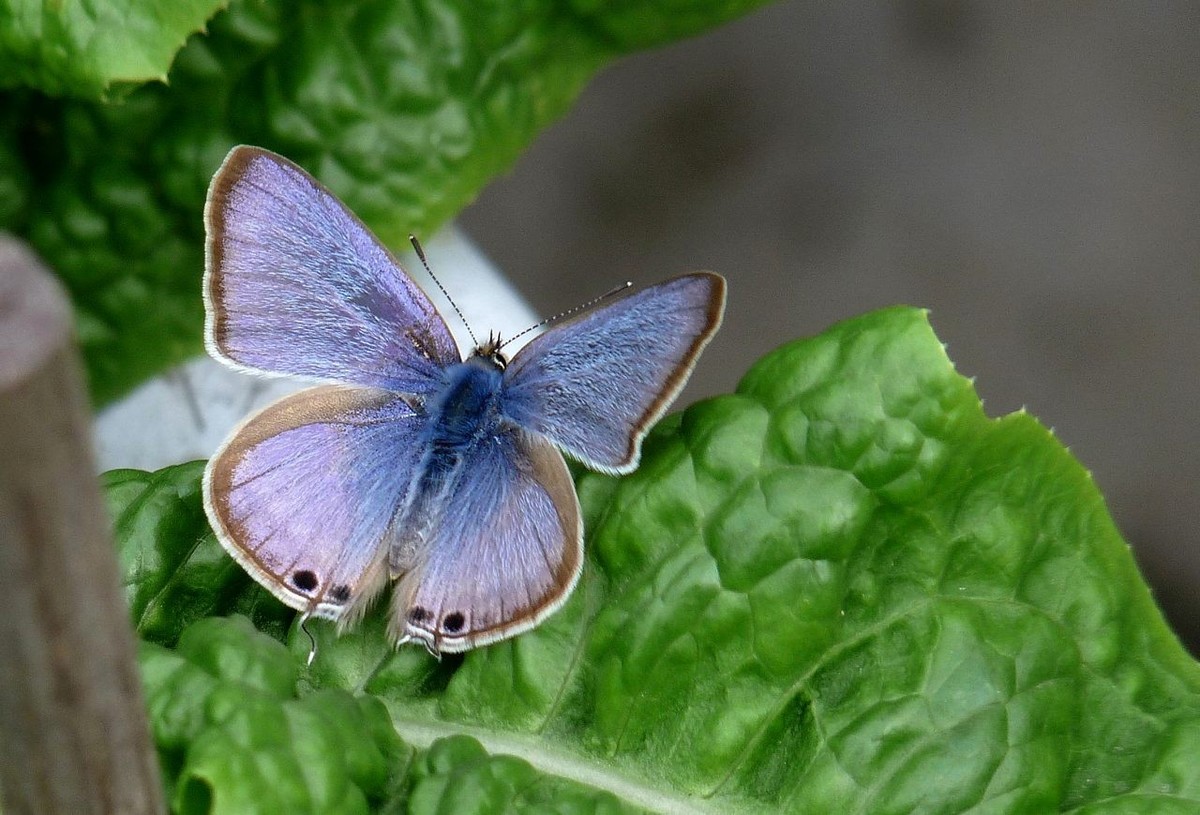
[505, 552]
[303, 494]
[295, 284]
[595, 384]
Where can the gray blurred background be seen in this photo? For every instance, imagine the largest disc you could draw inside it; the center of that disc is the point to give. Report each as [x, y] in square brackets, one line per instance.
[1029, 171]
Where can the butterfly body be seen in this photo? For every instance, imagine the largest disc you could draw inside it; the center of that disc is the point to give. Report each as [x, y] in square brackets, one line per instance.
[441, 475]
[460, 416]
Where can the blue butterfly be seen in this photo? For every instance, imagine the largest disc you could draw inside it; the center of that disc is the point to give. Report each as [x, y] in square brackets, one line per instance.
[418, 467]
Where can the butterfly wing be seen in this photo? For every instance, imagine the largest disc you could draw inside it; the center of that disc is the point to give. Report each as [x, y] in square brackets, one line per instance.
[294, 283]
[594, 385]
[304, 493]
[505, 553]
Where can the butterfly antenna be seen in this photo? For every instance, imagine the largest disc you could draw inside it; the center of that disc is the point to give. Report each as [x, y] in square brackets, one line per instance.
[312, 641]
[569, 312]
[416, 244]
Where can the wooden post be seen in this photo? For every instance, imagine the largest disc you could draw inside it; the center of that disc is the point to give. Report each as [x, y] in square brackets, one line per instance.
[73, 731]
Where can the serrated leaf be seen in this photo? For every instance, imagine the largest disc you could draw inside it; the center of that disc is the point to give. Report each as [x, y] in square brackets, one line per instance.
[77, 48]
[841, 589]
[405, 110]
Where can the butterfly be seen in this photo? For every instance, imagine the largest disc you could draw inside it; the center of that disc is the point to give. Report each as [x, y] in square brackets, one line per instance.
[411, 465]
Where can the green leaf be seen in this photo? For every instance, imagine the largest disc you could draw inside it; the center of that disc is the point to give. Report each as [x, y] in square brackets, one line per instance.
[456, 774]
[404, 110]
[841, 589]
[234, 738]
[83, 49]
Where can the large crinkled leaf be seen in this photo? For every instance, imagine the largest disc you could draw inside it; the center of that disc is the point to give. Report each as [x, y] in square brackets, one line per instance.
[404, 109]
[234, 738]
[841, 589]
[86, 47]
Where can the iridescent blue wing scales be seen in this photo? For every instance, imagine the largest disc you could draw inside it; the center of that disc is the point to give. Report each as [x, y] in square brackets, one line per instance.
[595, 384]
[505, 551]
[295, 284]
[304, 493]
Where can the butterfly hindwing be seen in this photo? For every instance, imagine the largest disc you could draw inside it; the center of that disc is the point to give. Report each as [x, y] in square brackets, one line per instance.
[304, 493]
[505, 552]
[295, 284]
[595, 384]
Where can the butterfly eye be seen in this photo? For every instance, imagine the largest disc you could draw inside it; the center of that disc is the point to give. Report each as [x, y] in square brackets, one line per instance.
[453, 622]
[304, 580]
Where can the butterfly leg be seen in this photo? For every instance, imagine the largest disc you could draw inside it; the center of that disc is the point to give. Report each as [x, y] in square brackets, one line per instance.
[312, 641]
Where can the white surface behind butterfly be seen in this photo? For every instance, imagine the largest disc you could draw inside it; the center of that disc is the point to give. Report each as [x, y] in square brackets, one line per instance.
[187, 412]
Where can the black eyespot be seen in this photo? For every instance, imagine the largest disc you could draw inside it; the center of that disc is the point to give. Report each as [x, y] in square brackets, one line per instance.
[453, 621]
[304, 580]
[340, 594]
[418, 614]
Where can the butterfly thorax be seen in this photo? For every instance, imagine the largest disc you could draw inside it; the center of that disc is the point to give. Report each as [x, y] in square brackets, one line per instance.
[466, 407]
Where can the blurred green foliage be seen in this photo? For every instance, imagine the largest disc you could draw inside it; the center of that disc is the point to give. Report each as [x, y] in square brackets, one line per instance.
[404, 109]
